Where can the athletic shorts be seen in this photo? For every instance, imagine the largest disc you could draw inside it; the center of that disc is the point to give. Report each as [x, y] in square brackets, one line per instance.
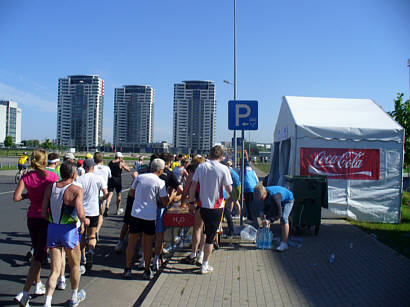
[211, 218]
[139, 225]
[22, 166]
[286, 209]
[236, 193]
[128, 209]
[114, 183]
[38, 233]
[159, 227]
[93, 221]
[62, 235]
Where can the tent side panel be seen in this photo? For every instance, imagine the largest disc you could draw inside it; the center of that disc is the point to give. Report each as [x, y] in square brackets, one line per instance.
[364, 200]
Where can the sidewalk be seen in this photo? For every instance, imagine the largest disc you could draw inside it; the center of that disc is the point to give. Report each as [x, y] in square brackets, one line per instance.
[365, 272]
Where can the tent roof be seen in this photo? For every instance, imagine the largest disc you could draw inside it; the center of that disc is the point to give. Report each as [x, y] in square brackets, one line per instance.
[342, 118]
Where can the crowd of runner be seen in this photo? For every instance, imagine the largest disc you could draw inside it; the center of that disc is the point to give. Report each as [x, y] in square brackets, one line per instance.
[69, 200]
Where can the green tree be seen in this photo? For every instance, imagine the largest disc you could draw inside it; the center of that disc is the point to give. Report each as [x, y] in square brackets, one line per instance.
[8, 141]
[47, 144]
[401, 114]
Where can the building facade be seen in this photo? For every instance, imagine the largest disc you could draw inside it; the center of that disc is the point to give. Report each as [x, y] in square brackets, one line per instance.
[194, 116]
[133, 116]
[10, 121]
[80, 111]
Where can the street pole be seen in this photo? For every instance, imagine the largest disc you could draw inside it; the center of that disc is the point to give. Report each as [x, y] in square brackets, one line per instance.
[234, 81]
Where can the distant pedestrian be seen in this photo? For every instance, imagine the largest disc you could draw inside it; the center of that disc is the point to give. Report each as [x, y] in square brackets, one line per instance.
[278, 204]
[212, 177]
[115, 182]
[35, 181]
[63, 207]
[80, 168]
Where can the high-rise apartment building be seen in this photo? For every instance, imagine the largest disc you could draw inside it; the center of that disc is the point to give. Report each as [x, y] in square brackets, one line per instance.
[80, 111]
[133, 115]
[10, 121]
[194, 116]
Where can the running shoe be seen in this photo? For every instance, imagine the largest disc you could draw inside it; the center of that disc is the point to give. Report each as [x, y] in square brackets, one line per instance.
[120, 211]
[141, 265]
[80, 297]
[40, 289]
[82, 269]
[61, 284]
[282, 247]
[24, 300]
[147, 274]
[206, 269]
[127, 274]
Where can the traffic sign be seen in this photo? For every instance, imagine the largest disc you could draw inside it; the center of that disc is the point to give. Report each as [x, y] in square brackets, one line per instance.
[243, 115]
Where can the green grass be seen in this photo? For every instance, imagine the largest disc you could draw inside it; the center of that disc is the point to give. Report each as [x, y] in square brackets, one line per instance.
[397, 236]
[7, 167]
[264, 167]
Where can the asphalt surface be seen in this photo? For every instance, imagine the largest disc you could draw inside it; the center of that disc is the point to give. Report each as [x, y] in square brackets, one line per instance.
[104, 284]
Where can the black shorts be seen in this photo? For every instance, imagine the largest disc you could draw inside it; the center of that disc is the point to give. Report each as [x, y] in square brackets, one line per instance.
[139, 225]
[114, 183]
[128, 208]
[93, 221]
[211, 218]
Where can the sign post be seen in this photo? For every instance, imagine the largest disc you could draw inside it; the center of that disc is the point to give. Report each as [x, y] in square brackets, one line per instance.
[242, 115]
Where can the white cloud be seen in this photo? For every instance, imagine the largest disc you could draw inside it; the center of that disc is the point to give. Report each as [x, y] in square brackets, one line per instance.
[27, 99]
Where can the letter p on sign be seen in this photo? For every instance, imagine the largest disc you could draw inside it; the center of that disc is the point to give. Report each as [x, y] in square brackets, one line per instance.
[243, 115]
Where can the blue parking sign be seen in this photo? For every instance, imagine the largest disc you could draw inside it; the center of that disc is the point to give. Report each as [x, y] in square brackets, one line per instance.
[243, 115]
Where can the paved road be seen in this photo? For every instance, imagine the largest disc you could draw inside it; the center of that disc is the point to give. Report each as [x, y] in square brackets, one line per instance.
[105, 285]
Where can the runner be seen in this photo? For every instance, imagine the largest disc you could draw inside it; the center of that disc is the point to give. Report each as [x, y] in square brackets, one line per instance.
[35, 182]
[114, 183]
[105, 172]
[212, 176]
[63, 207]
[23, 161]
[92, 184]
[146, 189]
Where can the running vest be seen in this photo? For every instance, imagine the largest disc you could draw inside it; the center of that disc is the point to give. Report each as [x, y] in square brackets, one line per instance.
[60, 213]
[116, 170]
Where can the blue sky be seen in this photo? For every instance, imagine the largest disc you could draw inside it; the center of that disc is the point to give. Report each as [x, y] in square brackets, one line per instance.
[350, 48]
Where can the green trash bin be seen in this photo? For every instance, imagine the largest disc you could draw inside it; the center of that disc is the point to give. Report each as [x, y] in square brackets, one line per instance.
[310, 195]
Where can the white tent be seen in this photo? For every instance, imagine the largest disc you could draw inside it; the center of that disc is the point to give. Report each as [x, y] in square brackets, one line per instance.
[352, 141]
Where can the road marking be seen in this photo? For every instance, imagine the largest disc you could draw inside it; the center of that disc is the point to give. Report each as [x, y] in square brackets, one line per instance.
[6, 192]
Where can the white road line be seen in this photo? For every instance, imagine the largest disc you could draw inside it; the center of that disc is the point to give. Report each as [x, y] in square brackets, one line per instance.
[6, 192]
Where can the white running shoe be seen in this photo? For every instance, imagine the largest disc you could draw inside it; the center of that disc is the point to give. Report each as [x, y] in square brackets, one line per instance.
[120, 211]
[82, 269]
[282, 247]
[61, 284]
[206, 269]
[18, 297]
[40, 289]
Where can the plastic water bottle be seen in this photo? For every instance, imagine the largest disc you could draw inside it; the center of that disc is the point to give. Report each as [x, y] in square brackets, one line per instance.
[81, 295]
[258, 239]
[268, 239]
[332, 258]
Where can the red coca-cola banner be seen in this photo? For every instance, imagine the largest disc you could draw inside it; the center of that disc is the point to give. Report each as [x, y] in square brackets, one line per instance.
[341, 163]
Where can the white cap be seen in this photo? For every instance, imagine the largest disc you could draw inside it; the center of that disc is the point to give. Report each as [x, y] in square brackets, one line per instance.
[118, 154]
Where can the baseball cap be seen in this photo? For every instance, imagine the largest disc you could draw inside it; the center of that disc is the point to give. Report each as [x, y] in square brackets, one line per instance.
[88, 156]
[118, 154]
[88, 163]
[69, 155]
[80, 162]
